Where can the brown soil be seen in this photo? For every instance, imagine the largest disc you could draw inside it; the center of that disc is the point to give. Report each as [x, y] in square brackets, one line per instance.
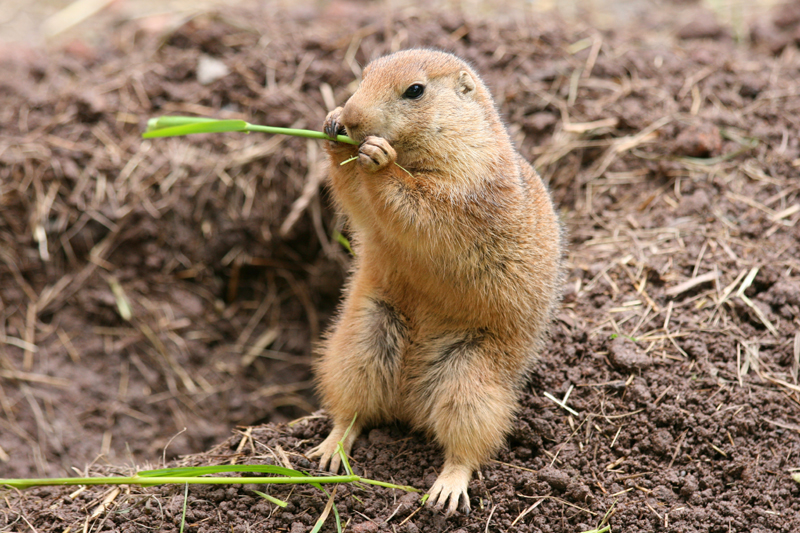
[674, 159]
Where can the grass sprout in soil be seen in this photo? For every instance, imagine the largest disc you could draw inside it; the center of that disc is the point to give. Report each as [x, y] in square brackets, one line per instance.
[157, 293]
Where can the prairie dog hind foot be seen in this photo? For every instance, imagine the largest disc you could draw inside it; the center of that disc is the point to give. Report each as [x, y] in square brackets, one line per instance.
[450, 488]
[328, 451]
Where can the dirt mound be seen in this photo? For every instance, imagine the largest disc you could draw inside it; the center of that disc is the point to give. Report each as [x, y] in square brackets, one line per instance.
[148, 287]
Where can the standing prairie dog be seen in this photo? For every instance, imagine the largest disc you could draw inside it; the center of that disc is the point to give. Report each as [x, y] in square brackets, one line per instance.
[457, 266]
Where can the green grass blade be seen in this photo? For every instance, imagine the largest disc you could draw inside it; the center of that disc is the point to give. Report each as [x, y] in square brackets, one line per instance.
[340, 447]
[604, 530]
[386, 485]
[318, 524]
[335, 509]
[178, 126]
[216, 126]
[338, 518]
[325, 513]
[191, 471]
[185, 501]
[273, 499]
[150, 481]
[252, 480]
[341, 239]
[170, 122]
[192, 475]
[309, 134]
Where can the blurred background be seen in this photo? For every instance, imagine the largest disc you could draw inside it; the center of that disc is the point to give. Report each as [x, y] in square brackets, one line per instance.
[53, 21]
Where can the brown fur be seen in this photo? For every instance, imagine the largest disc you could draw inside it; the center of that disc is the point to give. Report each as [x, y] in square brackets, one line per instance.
[457, 266]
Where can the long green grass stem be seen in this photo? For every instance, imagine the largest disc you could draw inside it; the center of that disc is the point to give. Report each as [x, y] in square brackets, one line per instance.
[192, 475]
[178, 126]
[162, 480]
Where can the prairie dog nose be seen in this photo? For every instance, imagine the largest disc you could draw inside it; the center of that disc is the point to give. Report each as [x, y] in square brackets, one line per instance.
[352, 118]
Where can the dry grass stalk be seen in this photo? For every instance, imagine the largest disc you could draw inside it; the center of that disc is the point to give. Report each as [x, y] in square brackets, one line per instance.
[692, 283]
[528, 510]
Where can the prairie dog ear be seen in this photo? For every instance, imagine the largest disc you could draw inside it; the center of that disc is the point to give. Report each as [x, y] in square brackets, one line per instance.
[466, 84]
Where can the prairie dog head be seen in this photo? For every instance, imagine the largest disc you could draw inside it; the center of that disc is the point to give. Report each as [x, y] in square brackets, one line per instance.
[429, 105]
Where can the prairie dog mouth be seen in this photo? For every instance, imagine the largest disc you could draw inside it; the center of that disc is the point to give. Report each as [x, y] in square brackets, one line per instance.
[361, 136]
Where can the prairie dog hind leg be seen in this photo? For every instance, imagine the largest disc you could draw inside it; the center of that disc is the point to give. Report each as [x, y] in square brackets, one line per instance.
[466, 400]
[359, 369]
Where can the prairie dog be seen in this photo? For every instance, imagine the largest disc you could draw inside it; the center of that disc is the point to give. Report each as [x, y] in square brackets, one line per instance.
[457, 266]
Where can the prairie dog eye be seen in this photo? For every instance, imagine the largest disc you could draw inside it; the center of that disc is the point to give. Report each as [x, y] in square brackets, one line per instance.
[414, 91]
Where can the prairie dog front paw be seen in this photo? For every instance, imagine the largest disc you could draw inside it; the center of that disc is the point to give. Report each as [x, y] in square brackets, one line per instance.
[332, 127]
[375, 154]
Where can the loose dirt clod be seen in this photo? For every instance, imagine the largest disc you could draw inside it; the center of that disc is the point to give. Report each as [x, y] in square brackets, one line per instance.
[624, 355]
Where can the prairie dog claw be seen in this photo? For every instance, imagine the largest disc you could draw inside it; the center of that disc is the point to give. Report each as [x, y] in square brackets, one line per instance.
[450, 488]
[332, 126]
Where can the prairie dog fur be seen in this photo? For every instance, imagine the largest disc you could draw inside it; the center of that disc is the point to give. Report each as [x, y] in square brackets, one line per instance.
[457, 267]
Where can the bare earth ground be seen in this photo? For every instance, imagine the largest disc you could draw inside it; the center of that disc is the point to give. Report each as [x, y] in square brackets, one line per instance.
[148, 287]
